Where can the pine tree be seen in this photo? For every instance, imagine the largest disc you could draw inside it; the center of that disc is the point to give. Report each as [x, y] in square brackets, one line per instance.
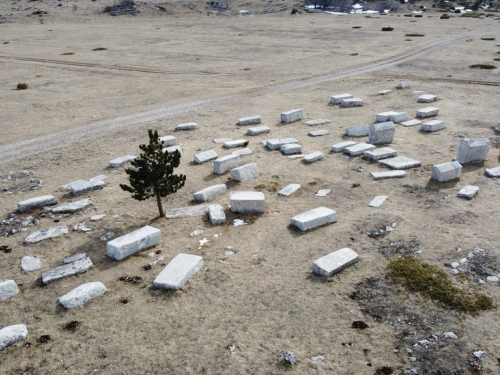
[152, 173]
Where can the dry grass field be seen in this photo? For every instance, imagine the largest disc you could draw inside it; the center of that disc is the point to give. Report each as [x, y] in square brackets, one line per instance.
[241, 311]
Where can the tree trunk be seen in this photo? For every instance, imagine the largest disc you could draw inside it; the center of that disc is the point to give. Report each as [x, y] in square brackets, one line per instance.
[160, 207]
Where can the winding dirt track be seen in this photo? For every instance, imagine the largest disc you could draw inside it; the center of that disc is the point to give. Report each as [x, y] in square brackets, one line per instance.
[103, 128]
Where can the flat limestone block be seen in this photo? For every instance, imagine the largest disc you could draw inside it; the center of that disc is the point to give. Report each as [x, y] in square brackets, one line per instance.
[275, 144]
[358, 149]
[45, 200]
[319, 121]
[74, 258]
[190, 211]
[172, 149]
[205, 156]
[473, 150]
[357, 131]
[446, 171]
[384, 116]
[248, 202]
[468, 191]
[245, 172]
[378, 201]
[352, 102]
[168, 140]
[178, 272]
[493, 172]
[12, 334]
[187, 126]
[289, 190]
[291, 149]
[427, 112]
[249, 120]
[72, 207]
[226, 163]
[79, 182]
[210, 192]
[312, 157]
[340, 147]
[385, 175]
[84, 186]
[384, 92]
[46, 233]
[380, 153]
[292, 116]
[400, 162]
[258, 130]
[118, 162]
[70, 269]
[314, 218]
[8, 289]
[381, 133]
[318, 133]
[334, 262]
[82, 294]
[432, 126]
[399, 117]
[216, 214]
[133, 242]
[403, 85]
[242, 151]
[337, 99]
[29, 263]
[427, 98]
[222, 140]
[411, 123]
[235, 143]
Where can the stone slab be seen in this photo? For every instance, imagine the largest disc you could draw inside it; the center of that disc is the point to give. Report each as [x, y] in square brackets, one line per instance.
[390, 174]
[468, 191]
[70, 269]
[312, 157]
[378, 201]
[178, 272]
[187, 126]
[314, 218]
[446, 171]
[85, 186]
[357, 131]
[411, 123]
[334, 262]
[97, 217]
[427, 98]
[432, 126]
[291, 149]
[210, 192]
[427, 112]
[340, 147]
[78, 182]
[249, 120]
[242, 151]
[8, 289]
[216, 214]
[44, 200]
[399, 117]
[168, 140]
[318, 133]
[258, 130]
[380, 153]
[289, 190]
[46, 233]
[235, 143]
[384, 92]
[82, 294]
[493, 172]
[352, 102]
[337, 99]
[133, 242]
[190, 211]
[323, 192]
[358, 149]
[118, 162]
[74, 258]
[245, 172]
[205, 156]
[381, 133]
[292, 116]
[12, 334]
[319, 121]
[384, 116]
[400, 162]
[403, 85]
[226, 163]
[222, 140]
[29, 263]
[275, 144]
[172, 149]
[72, 206]
[473, 150]
[248, 202]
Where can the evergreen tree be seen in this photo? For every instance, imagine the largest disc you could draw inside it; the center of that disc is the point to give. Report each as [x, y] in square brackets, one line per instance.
[152, 173]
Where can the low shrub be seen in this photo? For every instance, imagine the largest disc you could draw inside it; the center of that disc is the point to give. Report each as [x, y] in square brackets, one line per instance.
[445, 16]
[414, 34]
[419, 15]
[388, 28]
[22, 86]
[482, 66]
[67, 53]
[487, 38]
[356, 27]
[99, 49]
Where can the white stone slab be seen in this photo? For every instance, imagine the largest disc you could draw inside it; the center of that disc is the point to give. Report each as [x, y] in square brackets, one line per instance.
[46, 233]
[334, 262]
[337, 99]
[340, 147]
[493, 172]
[358, 149]
[84, 186]
[235, 143]
[216, 214]
[190, 211]
[8, 289]
[384, 116]
[313, 156]
[250, 120]
[403, 85]
[45, 200]
[97, 217]
[468, 191]
[289, 190]
[378, 201]
[70, 269]
[226, 163]
[381, 133]
[248, 202]
[242, 151]
[297, 156]
[82, 294]
[222, 140]
[205, 156]
[168, 140]
[258, 130]
[319, 121]
[292, 116]
[399, 117]
[187, 126]
[74, 258]
[427, 98]
[427, 112]
[380, 153]
[400, 162]
[133, 242]
[411, 123]
[357, 131]
[291, 149]
[314, 218]
[390, 174]
[323, 192]
[446, 171]
[118, 162]
[178, 272]
[384, 92]
[172, 149]
[72, 206]
[12, 334]
[318, 133]
[245, 172]
[473, 150]
[210, 192]
[275, 144]
[29, 263]
[79, 182]
[352, 102]
[432, 126]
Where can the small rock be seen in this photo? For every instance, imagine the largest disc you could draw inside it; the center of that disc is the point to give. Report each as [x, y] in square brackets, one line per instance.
[455, 264]
[318, 359]
[29, 263]
[323, 192]
[288, 357]
[454, 271]
[412, 359]
[411, 372]
[107, 236]
[449, 335]
[97, 217]
[480, 354]
[408, 350]
[492, 279]
[196, 233]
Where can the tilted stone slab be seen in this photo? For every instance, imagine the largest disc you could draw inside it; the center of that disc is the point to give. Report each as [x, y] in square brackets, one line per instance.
[353, 102]
[386, 175]
[381, 133]
[340, 147]
[403, 85]
[250, 120]
[380, 153]
[235, 143]
[289, 190]
[190, 211]
[29, 263]
[314, 218]
[432, 126]
[334, 262]
[275, 144]
[133, 242]
[210, 192]
[46, 233]
[68, 186]
[70, 269]
[245, 172]
[187, 126]
[384, 116]
[292, 116]
[446, 171]
[8, 289]
[384, 92]
[312, 157]
[178, 272]
[357, 131]
[74, 258]
[258, 130]
[168, 140]
[427, 98]
[216, 214]
[205, 156]
[399, 117]
[468, 191]
[473, 150]
[248, 202]
[72, 206]
[291, 149]
[358, 149]
[84, 186]
[12, 334]
[45, 200]
[226, 163]
[118, 162]
[318, 133]
[82, 294]
[172, 149]
[427, 112]
[400, 162]
[222, 140]
[378, 201]
[493, 172]
[337, 99]
[242, 151]
[411, 123]
[319, 121]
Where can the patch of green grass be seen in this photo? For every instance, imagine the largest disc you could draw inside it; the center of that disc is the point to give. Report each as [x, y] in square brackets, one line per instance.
[273, 187]
[482, 66]
[414, 34]
[434, 283]
[99, 49]
[67, 53]
[387, 28]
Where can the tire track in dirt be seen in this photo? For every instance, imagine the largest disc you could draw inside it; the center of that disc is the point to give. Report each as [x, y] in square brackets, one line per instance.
[98, 129]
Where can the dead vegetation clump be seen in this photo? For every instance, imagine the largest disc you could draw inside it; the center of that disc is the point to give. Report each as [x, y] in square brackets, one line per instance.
[124, 7]
[401, 249]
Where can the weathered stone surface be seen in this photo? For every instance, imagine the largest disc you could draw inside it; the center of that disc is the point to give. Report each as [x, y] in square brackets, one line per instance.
[291, 149]
[245, 172]
[275, 144]
[427, 98]
[357, 131]
[216, 214]
[248, 202]
[384, 92]
[258, 130]
[84, 186]
[318, 133]
[210, 192]
[352, 102]
[400, 162]
[340, 147]
[190, 211]
[446, 171]
[319, 121]
[45, 200]
[381, 133]
[493, 172]
[79, 182]
[8, 289]
[358, 149]
[399, 117]
[12, 334]
[314, 218]
[178, 272]
[222, 140]
[403, 85]
[226, 163]
[323, 192]
[72, 206]
[205, 156]
[385, 175]
[411, 123]
[337, 99]
[427, 112]
[468, 191]
[292, 116]
[46, 233]
[172, 149]
[118, 162]
[250, 120]
[296, 156]
[133, 242]
[334, 262]
[242, 151]
[69, 269]
[187, 126]
[384, 116]
[473, 150]
[380, 153]
[289, 190]
[168, 140]
[82, 294]
[378, 201]
[313, 156]
[74, 258]
[432, 126]
[235, 143]
[97, 217]
[29, 263]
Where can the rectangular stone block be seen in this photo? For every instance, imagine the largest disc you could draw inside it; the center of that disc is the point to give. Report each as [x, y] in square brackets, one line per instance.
[172, 149]
[118, 162]
[275, 144]
[248, 202]
[384, 116]
[245, 172]
[187, 126]
[190, 211]
[357, 131]
[235, 143]
[249, 120]
[493, 172]
[82, 294]
[133, 242]
[314, 218]
[210, 192]
[69, 269]
[400, 162]
[358, 149]
[216, 214]
[226, 163]
[319, 121]
[222, 140]
[312, 157]
[12, 334]
[337, 99]
[44, 234]
[289, 190]
[381, 133]
[380, 153]
[178, 272]
[378, 201]
[335, 262]
[468, 191]
[318, 133]
[352, 102]
[432, 126]
[8, 289]
[384, 92]
[427, 98]
[292, 116]
[242, 151]
[44, 200]
[399, 117]
[411, 123]
[403, 85]
[72, 207]
[77, 182]
[84, 186]
[291, 149]
[446, 171]
[168, 140]
[473, 150]
[258, 130]
[205, 156]
[340, 147]
[390, 174]
[427, 112]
